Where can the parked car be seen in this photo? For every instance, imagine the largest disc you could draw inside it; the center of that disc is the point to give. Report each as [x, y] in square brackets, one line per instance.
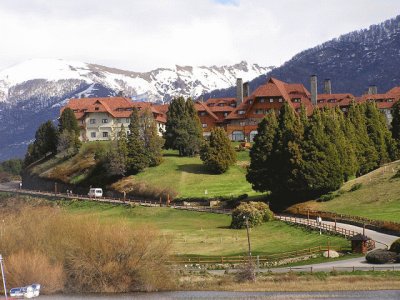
[95, 192]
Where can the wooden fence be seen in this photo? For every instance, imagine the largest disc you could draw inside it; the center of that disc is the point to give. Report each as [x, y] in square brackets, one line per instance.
[387, 226]
[318, 226]
[201, 260]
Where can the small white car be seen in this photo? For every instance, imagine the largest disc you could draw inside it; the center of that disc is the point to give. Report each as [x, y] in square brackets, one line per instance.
[95, 192]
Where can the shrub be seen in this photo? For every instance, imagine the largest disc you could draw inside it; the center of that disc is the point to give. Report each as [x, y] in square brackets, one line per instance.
[255, 212]
[381, 256]
[327, 197]
[395, 247]
[95, 256]
[39, 270]
[355, 187]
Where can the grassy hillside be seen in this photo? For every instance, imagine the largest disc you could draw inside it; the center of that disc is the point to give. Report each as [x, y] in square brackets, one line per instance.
[189, 178]
[195, 233]
[186, 175]
[375, 195]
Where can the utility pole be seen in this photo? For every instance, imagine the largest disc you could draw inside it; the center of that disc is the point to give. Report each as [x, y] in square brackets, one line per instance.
[248, 235]
[2, 275]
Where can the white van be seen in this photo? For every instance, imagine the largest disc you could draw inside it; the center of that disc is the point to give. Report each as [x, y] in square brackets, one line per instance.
[95, 192]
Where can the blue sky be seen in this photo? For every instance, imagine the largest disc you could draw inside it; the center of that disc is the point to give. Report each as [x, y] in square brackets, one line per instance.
[141, 35]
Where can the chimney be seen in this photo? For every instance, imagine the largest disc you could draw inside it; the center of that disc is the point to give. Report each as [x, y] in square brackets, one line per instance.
[327, 86]
[372, 90]
[246, 89]
[239, 91]
[313, 80]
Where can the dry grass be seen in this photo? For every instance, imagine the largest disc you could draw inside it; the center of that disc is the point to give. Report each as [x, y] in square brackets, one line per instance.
[290, 282]
[24, 268]
[94, 256]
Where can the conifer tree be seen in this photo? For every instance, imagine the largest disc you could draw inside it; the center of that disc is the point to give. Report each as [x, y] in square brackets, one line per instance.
[68, 125]
[68, 121]
[377, 131]
[366, 153]
[396, 122]
[218, 154]
[137, 159]
[260, 171]
[152, 141]
[321, 169]
[46, 139]
[287, 158]
[183, 129]
[348, 158]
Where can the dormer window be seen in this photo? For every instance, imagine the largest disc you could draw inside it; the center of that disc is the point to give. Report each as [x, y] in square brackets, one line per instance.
[233, 104]
[280, 100]
[202, 113]
[390, 100]
[221, 104]
[332, 100]
[261, 100]
[241, 112]
[97, 108]
[296, 100]
[250, 101]
[271, 100]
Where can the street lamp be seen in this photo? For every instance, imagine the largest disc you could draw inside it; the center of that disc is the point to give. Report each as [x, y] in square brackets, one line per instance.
[248, 235]
[2, 275]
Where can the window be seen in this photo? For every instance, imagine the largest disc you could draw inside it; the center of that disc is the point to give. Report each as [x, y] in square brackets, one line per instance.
[225, 114]
[221, 104]
[296, 100]
[252, 135]
[233, 104]
[83, 121]
[261, 100]
[92, 121]
[390, 100]
[119, 120]
[280, 100]
[241, 112]
[332, 100]
[344, 109]
[104, 121]
[96, 108]
[202, 113]
[204, 125]
[259, 111]
[93, 134]
[127, 120]
[242, 123]
[271, 100]
[250, 101]
[237, 136]
[105, 134]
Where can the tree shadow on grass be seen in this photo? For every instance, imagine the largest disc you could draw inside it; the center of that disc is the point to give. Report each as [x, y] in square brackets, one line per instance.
[224, 227]
[194, 169]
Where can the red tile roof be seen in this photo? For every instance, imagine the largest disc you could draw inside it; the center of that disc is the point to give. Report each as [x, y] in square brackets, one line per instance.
[118, 107]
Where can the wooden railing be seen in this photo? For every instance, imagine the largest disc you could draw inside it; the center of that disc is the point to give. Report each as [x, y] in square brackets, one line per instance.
[351, 219]
[319, 226]
[201, 260]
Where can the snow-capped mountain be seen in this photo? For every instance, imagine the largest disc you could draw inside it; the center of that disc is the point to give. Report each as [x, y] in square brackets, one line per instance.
[33, 91]
[352, 61]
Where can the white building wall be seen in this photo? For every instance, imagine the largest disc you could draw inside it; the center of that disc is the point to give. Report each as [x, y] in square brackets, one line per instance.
[97, 129]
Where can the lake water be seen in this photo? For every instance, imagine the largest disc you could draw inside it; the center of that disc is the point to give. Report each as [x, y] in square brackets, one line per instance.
[345, 295]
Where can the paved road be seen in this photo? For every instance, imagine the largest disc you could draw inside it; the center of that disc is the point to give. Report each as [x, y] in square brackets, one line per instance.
[384, 240]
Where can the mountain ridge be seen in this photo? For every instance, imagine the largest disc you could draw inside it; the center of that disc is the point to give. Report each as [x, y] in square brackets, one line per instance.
[33, 91]
[352, 61]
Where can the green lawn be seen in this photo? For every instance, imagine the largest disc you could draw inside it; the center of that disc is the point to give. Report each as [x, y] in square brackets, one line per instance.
[377, 198]
[190, 178]
[195, 233]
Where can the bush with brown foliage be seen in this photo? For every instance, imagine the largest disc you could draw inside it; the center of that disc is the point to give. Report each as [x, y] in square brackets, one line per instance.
[95, 256]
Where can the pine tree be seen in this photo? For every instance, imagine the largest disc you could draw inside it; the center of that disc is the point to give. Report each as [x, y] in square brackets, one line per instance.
[321, 169]
[260, 171]
[218, 154]
[286, 160]
[152, 141]
[348, 159]
[68, 122]
[46, 139]
[367, 156]
[183, 130]
[396, 122]
[137, 159]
